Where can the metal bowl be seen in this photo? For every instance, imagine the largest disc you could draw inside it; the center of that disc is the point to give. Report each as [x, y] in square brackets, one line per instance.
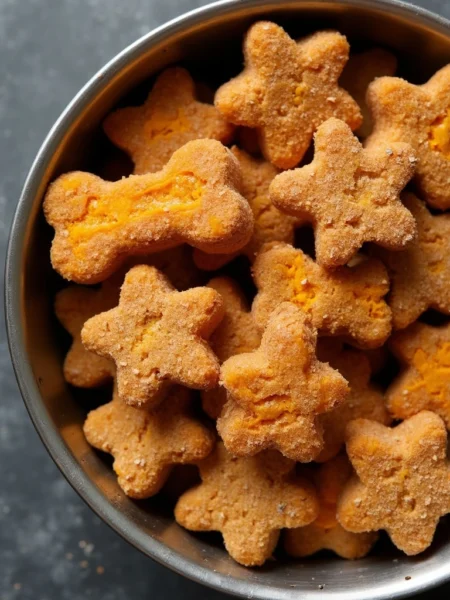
[207, 40]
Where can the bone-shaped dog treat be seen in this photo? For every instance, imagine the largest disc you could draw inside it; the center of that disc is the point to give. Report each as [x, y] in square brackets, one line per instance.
[276, 393]
[325, 533]
[249, 500]
[350, 194]
[194, 199]
[420, 116]
[288, 89]
[402, 481]
[347, 301]
[156, 336]
[147, 444]
[170, 117]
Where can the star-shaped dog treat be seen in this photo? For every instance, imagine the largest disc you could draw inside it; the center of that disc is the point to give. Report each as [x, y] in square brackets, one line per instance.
[194, 199]
[402, 483]
[420, 273]
[418, 115]
[74, 305]
[147, 444]
[156, 336]
[170, 117]
[350, 194]
[345, 302]
[249, 500]
[325, 533]
[424, 383]
[271, 225]
[276, 393]
[288, 89]
[237, 333]
[364, 401]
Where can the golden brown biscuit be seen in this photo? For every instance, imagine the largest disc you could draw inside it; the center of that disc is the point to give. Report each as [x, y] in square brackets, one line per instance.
[349, 194]
[364, 400]
[345, 302]
[146, 445]
[156, 336]
[325, 533]
[276, 393]
[402, 483]
[248, 500]
[270, 224]
[359, 72]
[424, 383]
[237, 333]
[420, 275]
[170, 117]
[420, 116]
[194, 199]
[288, 89]
[74, 305]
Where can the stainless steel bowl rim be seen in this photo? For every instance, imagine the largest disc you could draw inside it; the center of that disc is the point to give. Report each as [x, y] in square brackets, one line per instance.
[25, 378]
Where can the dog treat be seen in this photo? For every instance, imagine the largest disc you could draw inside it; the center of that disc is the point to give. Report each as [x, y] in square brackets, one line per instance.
[418, 115]
[194, 199]
[270, 224]
[402, 483]
[345, 302]
[237, 333]
[177, 265]
[359, 72]
[249, 500]
[364, 400]
[424, 383]
[156, 336]
[74, 305]
[350, 194]
[420, 274]
[325, 533]
[276, 393]
[145, 444]
[287, 89]
[170, 117]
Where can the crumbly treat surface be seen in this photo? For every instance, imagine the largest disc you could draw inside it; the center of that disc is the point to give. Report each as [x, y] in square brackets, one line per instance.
[402, 481]
[170, 117]
[348, 301]
[276, 393]
[349, 194]
[287, 89]
[157, 336]
[249, 500]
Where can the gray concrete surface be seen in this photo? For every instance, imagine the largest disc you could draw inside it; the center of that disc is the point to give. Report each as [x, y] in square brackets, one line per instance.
[52, 547]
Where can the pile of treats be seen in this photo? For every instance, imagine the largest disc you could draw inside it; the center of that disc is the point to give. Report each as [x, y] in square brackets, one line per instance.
[286, 377]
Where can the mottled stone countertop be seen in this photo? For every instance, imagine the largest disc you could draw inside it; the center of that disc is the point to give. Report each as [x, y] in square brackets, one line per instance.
[52, 546]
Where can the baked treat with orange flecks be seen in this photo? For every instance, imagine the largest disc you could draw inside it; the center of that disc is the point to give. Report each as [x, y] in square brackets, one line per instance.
[348, 301]
[147, 444]
[249, 500]
[270, 224]
[157, 336]
[194, 199]
[424, 383]
[170, 117]
[419, 275]
[364, 400]
[287, 89]
[325, 533]
[359, 72]
[237, 333]
[74, 305]
[402, 481]
[349, 194]
[277, 393]
[420, 116]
